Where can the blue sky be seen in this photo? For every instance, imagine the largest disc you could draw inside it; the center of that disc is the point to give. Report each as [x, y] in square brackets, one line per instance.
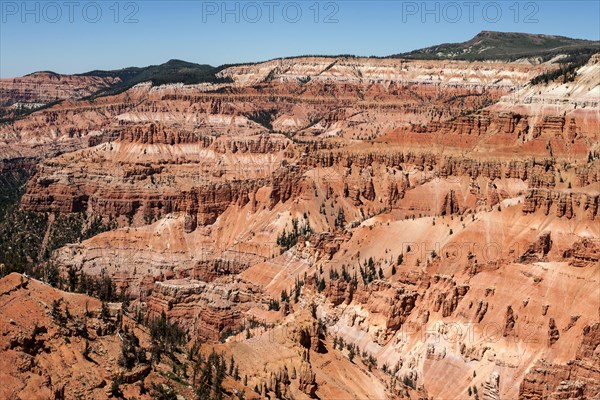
[71, 36]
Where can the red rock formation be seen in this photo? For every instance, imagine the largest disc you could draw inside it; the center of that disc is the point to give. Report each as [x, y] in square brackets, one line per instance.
[307, 380]
[578, 379]
[190, 173]
[449, 204]
[583, 253]
[510, 321]
[40, 88]
[447, 294]
[60, 345]
[553, 333]
[566, 205]
[482, 307]
[537, 251]
[216, 307]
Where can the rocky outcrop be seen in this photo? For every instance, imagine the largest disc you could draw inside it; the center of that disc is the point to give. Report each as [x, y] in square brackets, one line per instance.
[126, 192]
[402, 305]
[583, 253]
[509, 322]
[449, 204]
[537, 251]
[205, 202]
[553, 332]
[447, 294]
[307, 379]
[587, 174]
[491, 387]
[482, 307]
[338, 292]
[157, 133]
[578, 379]
[261, 144]
[205, 310]
[394, 303]
[308, 333]
[55, 344]
[285, 184]
[564, 204]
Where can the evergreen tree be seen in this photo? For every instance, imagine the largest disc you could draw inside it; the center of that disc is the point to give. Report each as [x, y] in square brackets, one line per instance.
[284, 296]
[400, 259]
[73, 279]
[231, 366]
[321, 286]
[351, 353]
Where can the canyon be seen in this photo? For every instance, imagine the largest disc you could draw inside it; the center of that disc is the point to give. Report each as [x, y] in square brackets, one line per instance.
[342, 227]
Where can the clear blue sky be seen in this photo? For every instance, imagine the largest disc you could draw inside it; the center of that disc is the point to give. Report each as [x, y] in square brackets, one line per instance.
[62, 36]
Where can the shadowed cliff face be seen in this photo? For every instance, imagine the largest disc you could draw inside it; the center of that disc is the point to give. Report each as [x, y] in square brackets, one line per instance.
[345, 226]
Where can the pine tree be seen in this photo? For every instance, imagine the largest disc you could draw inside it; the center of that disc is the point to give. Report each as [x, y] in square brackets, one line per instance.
[72, 276]
[321, 285]
[273, 305]
[351, 353]
[104, 313]
[231, 366]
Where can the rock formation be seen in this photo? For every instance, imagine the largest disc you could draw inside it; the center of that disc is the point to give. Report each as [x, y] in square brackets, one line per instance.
[339, 227]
